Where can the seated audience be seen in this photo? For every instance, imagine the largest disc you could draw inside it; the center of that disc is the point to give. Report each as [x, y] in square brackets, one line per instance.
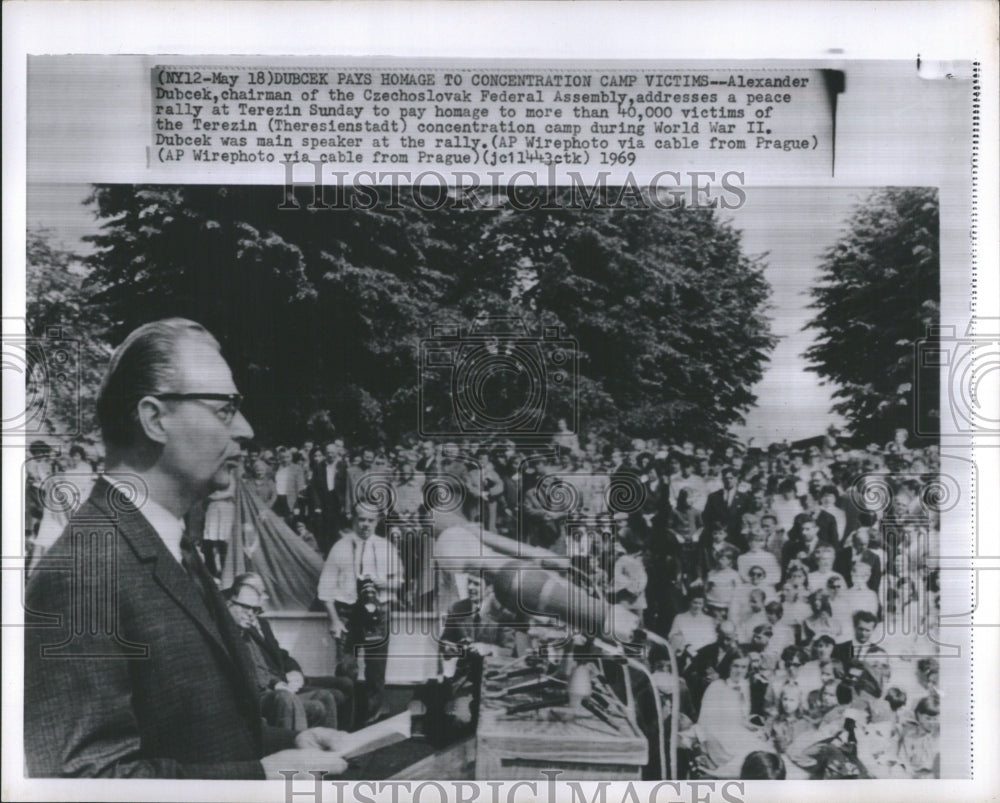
[288, 699]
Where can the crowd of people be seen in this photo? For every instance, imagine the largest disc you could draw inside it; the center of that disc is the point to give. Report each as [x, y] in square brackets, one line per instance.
[794, 584]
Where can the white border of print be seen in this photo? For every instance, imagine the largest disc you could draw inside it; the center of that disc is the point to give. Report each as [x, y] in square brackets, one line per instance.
[849, 31]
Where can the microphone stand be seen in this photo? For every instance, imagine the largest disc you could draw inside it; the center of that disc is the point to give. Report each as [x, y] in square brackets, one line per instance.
[617, 652]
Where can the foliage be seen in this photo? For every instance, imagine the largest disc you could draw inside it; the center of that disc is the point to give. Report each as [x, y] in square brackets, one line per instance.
[877, 298]
[63, 320]
[322, 313]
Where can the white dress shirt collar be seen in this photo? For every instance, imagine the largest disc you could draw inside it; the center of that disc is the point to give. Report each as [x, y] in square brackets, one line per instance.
[167, 526]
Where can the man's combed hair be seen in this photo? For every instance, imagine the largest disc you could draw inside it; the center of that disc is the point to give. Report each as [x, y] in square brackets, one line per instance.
[142, 365]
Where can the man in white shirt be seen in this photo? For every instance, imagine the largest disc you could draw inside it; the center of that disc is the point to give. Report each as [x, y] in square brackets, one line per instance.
[359, 579]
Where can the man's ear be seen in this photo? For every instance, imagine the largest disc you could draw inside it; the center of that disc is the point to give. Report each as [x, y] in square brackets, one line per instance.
[151, 418]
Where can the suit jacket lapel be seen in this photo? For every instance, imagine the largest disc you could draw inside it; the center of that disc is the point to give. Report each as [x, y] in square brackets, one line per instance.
[174, 580]
[269, 646]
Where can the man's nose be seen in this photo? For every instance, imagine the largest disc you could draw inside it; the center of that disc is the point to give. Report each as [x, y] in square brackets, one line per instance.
[241, 428]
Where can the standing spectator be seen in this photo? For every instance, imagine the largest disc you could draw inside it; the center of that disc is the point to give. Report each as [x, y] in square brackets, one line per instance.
[751, 615]
[804, 547]
[37, 469]
[860, 648]
[290, 484]
[795, 588]
[774, 540]
[698, 627]
[483, 490]
[787, 506]
[356, 474]
[712, 661]
[831, 520]
[67, 490]
[409, 485]
[263, 483]
[821, 621]
[359, 578]
[303, 532]
[757, 555]
[683, 527]
[782, 632]
[825, 556]
[741, 605]
[858, 551]
[329, 487]
[727, 506]
[859, 597]
[723, 579]
[839, 603]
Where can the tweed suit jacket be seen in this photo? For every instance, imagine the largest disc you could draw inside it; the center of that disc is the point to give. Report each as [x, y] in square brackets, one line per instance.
[127, 671]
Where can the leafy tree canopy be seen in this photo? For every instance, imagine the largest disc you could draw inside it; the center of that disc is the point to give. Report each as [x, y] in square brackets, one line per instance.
[878, 296]
[324, 314]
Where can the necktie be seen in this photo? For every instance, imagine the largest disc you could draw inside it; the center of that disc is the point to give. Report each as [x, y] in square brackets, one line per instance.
[193, 566]
[361, 565]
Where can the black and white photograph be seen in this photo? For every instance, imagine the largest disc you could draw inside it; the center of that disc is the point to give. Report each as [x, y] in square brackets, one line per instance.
[683, 442]
[490, 422]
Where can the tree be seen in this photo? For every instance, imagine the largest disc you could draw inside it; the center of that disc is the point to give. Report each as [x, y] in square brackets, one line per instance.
[669, 313]
[69, 330]
[323, 313]
[878, 296]
[314, 310]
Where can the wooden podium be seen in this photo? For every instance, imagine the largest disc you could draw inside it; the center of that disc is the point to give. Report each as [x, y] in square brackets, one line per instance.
[575, 742]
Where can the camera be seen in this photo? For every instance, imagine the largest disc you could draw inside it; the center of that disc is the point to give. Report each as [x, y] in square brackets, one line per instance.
[497, 378]
[370, 612]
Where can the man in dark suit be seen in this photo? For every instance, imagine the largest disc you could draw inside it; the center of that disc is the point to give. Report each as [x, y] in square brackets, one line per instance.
[859, 551]
[727, 506]
[327, 490]
[711, 661]
[831, 518]
[148, 676]
[804, 546]
[286, 694]
[479, 619]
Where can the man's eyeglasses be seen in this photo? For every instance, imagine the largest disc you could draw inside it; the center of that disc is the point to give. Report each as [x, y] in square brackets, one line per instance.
[256, 610]
[226, 413]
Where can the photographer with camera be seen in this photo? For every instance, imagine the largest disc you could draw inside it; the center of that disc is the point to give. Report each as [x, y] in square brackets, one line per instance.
[359, 578]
